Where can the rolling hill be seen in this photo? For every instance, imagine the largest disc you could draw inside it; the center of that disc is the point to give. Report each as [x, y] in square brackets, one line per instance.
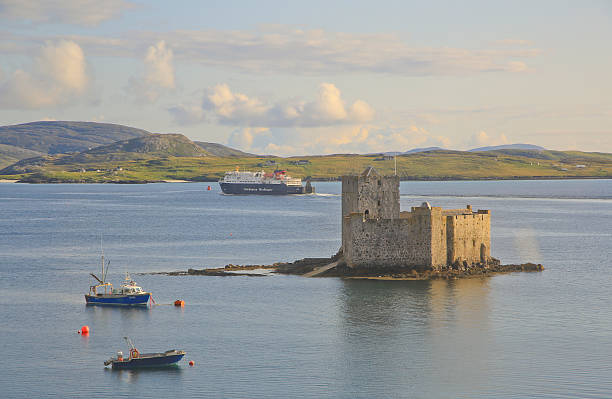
[10, 154]
[131, 167]
[56, 137]
[153, 144]
[219, 150]
[509, 147]
[148, 157]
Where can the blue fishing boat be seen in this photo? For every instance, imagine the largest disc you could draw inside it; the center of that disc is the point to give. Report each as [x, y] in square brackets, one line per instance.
[138, 360]
[129, 294]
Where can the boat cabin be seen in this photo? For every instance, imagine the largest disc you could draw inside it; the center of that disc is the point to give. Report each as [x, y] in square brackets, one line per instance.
[127, 289]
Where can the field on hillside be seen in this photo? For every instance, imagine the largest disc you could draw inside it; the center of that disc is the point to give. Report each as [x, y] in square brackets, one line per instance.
[421, 166]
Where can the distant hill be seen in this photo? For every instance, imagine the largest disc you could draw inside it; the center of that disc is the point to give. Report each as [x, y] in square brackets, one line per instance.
[415, 150]
[219, 150]
[509, 147]
[150, 147]
[54, 137]
[161, 163]
[10, 154]
[175, 145]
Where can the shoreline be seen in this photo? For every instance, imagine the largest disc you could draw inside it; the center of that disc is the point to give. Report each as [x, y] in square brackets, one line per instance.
[316, 267]
[334, 179]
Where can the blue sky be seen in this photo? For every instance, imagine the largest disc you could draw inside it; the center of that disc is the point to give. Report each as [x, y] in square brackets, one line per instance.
[316, 77]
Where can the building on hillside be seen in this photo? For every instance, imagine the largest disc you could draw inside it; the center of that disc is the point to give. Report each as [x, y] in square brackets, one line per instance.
[375, 233]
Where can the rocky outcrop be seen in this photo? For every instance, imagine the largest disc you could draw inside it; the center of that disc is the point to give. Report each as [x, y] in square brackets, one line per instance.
[306, 266]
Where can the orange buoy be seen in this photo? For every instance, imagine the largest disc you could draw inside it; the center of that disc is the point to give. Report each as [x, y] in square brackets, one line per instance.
[179, 302]
[191, 363]
[208, 188]
[85, 330]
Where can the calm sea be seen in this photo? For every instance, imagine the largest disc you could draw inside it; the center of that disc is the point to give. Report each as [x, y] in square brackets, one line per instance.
[540, 335]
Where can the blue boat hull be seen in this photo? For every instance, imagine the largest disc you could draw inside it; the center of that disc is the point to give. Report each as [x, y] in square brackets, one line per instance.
[264, 189]
[118, 300]
[155, 361]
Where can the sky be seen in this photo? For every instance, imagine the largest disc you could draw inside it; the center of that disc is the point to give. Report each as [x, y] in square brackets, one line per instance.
[317, 77]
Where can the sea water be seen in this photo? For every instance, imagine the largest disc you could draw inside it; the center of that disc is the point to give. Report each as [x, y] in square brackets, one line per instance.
[544, 335]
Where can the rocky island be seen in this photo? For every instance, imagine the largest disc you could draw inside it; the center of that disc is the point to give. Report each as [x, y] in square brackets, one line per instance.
[381, 242]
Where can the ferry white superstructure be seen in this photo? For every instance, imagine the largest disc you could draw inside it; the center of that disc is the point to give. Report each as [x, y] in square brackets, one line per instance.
[237, 182]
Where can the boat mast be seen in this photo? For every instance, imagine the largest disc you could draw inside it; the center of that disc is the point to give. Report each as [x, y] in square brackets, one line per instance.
[129, 342]
[102, 253]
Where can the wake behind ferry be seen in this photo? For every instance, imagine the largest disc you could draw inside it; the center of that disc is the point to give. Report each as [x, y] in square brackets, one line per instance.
[277, 183]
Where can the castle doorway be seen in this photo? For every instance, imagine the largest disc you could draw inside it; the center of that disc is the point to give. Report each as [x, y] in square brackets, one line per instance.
[483, 253]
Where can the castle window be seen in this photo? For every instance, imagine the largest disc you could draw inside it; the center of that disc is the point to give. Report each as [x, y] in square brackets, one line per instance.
[379, 182]
[378, 202]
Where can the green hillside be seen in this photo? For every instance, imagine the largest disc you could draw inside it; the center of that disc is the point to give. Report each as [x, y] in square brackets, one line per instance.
[10, 154]
[219, 150]
[54, 137]
[434, 165]
[154, 144]
[107, 155]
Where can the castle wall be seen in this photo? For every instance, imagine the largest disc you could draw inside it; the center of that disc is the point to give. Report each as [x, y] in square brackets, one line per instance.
[376, 234]
[397, 242]
[438, 237]
[468, 237]
[374, 195]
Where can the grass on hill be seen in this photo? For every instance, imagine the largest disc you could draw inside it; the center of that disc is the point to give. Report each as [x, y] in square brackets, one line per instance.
[451, 165]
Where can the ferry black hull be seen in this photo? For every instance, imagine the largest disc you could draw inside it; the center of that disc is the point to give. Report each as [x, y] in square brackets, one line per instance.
[260, 189]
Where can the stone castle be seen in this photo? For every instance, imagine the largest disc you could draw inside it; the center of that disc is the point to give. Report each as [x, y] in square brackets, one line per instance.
[376, 234]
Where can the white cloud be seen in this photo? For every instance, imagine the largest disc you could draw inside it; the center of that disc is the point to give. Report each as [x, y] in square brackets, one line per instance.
[482, 139]
[331, 140]
[158, 76]
[81, 12]
[160, 70]
[283, 49]
[517, 66]
[57, 76]
[243, 138]
[327, 109]
[187, 114]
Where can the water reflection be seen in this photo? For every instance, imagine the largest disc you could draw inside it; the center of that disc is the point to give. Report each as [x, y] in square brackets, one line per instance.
[172, 373]
[415, 333]
[109, 316]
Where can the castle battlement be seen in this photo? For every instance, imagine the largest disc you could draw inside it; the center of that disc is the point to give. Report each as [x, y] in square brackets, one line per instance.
[375, 233]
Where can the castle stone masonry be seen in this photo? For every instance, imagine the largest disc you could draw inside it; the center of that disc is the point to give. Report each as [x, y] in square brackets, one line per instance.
[375, 233]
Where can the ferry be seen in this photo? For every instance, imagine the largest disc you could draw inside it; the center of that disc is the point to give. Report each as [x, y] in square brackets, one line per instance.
[136, 359]
[276, 183]
[103, 293]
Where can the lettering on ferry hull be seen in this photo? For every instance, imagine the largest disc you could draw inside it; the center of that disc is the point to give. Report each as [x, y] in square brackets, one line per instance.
[277, 183]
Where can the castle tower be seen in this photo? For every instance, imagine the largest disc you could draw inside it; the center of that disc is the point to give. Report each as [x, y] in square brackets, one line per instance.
[376, 196]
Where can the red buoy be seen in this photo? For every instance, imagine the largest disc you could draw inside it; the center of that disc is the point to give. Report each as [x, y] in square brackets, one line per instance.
[191, 363]
[208, 188]
[179, 302]
[85, 330]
